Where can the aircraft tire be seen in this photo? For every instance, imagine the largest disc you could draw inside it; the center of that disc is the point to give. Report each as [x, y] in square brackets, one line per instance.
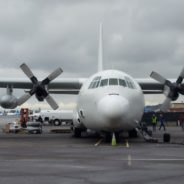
[132, 133]
[108, 137]
[77, 132]
[117, 135]
[166, 137]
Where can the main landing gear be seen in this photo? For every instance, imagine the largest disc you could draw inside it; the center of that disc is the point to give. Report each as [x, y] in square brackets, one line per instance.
[132, 133]
[77, 132]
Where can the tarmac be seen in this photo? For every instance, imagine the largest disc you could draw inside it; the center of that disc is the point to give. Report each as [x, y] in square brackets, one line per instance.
[60, 158]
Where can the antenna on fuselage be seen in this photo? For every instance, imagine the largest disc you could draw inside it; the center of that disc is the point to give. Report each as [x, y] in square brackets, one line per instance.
[100, 50]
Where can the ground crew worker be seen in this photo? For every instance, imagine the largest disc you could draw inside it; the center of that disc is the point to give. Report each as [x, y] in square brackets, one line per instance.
[162, 122]
[181, 118]
[154, 122]
[24, 123]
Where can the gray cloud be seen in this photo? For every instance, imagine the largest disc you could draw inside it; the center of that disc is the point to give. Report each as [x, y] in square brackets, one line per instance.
[139, 36]
[48, 34]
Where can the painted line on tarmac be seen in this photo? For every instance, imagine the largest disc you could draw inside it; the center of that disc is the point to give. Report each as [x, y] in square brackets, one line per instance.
[150, 159]
[99, 141]
[129, 160]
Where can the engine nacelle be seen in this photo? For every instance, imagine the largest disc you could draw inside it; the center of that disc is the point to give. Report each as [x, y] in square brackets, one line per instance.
[8, 101]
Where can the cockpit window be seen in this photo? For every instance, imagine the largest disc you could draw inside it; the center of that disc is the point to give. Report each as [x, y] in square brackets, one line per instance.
[97, 78]
[113, 81]
[122, 82]
[104, 82]
[91, 84]
[95, 82]
[130, 83]
[98, 82]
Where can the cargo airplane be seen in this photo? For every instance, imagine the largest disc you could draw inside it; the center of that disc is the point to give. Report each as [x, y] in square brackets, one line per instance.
[110, 101]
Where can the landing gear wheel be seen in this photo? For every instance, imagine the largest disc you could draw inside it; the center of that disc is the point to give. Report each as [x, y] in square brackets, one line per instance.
[166, 137]
[77, 132]
[108, 137]
[117, 135]
[132, 133]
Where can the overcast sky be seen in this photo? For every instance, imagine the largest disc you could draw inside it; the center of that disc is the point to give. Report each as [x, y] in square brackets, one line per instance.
[139, 36]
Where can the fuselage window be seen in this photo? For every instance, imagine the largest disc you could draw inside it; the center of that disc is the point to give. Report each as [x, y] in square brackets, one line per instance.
[113, 81]
[104, 82]
[122, 82]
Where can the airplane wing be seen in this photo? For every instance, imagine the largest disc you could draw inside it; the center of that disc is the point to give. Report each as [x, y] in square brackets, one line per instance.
[73, 85]
[150, 86]
[58, 86]
[171, 88]
[42, 88]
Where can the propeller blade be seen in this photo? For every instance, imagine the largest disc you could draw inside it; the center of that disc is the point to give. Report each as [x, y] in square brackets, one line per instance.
[52, 76]
[158, 77]
[39, 88]
[181, 76]
[28, 72]
[166, 90]
[166, 104]
[51, 102]
[23, 98]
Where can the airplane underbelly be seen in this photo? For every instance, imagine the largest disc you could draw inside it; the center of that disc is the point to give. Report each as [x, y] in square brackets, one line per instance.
[111, 125]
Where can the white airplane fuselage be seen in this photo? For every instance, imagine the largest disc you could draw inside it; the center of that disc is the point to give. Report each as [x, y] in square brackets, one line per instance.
[111, 107]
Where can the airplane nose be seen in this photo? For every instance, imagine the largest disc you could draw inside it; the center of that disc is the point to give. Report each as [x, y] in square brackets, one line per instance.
[113, 106]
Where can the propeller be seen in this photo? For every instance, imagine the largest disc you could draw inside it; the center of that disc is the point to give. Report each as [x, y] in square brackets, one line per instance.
[39, 88]
[173, 89]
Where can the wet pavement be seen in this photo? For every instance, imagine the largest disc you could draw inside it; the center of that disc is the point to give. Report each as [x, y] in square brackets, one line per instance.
[60, 158]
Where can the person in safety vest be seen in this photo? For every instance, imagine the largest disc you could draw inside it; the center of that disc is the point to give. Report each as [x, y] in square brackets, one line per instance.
[154, 122]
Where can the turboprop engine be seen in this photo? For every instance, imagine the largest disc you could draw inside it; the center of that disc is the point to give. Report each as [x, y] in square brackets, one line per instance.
[39, 88]
[172, 89]
[9, 101]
